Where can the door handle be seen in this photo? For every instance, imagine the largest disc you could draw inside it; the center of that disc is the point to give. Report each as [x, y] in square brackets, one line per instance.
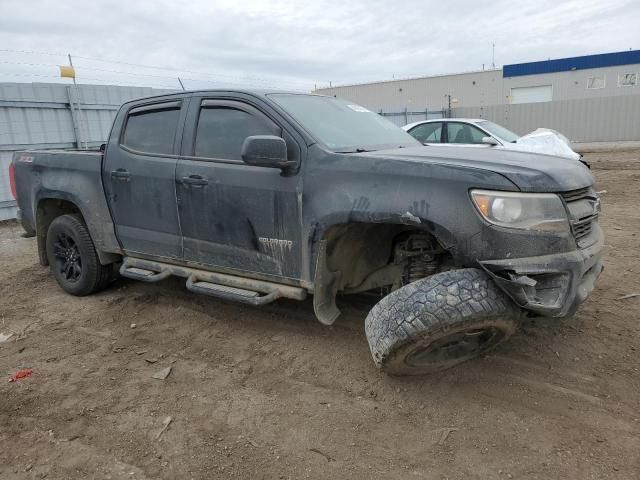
[121, 174]
[195, 180]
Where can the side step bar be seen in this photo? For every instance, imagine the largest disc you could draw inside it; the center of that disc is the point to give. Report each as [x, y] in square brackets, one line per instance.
[231, 293]
[143, 274]
[219, 285]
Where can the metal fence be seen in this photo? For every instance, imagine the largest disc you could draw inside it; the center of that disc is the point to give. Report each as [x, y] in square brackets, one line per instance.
[46, 115]
[404, 117]
[603, 119]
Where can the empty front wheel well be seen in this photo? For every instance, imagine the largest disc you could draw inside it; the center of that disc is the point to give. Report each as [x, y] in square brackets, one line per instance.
[48, 209]
[372, 255]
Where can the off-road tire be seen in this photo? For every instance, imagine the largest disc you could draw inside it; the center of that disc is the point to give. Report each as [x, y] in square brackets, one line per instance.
[93, 275]
[408, 329]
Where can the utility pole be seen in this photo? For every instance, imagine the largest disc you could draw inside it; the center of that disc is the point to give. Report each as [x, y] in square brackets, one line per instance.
[449, 105]
[493, 56]
[76, 116]
[71, 65]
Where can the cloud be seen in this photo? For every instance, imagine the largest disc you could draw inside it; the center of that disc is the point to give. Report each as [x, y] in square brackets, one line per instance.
[295, 44]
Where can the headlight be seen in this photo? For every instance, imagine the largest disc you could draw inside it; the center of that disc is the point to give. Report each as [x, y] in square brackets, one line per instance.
[527, 211]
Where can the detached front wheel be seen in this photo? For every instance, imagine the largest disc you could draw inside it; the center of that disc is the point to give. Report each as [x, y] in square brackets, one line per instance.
[73, 258]
[438, 322]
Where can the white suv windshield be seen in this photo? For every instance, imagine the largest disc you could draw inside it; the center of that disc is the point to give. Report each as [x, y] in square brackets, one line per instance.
[341, 125]
[498, 131]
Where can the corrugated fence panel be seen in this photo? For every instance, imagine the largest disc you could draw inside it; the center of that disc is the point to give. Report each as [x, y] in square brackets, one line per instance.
[38, 115]
[7, 204]
[602, 119]
[31, 126]
[96, 124]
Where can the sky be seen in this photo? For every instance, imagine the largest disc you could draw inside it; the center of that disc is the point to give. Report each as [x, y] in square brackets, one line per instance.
[295, 44]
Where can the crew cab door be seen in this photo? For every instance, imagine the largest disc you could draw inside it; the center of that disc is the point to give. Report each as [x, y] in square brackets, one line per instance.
[234, 216]
[139, 179]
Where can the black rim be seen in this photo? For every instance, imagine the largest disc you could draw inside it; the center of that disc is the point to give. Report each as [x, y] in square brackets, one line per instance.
[456, 346]
[68, 261]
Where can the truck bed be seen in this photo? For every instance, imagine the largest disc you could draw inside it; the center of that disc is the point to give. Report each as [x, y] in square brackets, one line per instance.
[47, 179]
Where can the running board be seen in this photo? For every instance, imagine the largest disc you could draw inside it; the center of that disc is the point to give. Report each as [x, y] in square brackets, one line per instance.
[219, 285]
[225, 292]
[142, 274]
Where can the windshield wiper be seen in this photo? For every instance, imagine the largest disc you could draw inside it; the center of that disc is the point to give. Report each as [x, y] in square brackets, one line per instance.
[357, 150]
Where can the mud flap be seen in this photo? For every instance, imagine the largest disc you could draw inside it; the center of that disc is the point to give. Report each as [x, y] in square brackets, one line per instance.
[326, 288]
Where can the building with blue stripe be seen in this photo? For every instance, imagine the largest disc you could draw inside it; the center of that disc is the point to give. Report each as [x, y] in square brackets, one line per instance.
[601, 60]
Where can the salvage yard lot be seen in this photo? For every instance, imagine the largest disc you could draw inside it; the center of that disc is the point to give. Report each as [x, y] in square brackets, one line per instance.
[271, 393]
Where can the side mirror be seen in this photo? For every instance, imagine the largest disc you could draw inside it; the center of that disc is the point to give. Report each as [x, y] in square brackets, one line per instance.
[490, 141]
[266, 151]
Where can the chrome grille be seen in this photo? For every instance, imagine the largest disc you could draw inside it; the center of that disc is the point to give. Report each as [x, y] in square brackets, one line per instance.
[583, 212]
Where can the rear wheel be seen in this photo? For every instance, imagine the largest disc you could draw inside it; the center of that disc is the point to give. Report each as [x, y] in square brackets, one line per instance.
[439, 321]
[73, 258]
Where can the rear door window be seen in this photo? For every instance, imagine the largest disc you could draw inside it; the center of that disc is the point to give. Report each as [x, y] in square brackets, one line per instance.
[427, 132]
[152, 130]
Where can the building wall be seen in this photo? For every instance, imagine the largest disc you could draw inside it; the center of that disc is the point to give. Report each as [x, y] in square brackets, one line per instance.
[39, 115]
[475, 89]
[572, 85]
[471, 89]
[610, 113]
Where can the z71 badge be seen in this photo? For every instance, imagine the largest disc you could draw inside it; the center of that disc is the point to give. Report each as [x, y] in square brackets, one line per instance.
[273, 243]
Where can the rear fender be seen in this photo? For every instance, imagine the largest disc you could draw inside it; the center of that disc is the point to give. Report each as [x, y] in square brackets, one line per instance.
[52, 204]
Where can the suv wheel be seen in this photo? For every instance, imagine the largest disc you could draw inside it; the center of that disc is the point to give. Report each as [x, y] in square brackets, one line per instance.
[73, 258]
[439, 321]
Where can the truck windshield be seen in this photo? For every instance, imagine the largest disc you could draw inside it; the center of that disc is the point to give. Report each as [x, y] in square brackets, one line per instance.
[341, 125]
[498, 131]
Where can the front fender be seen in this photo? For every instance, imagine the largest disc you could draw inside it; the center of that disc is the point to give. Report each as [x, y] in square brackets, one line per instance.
[344, 188]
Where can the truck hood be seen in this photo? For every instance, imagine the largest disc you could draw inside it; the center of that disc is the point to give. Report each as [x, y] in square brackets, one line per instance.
[529, 171]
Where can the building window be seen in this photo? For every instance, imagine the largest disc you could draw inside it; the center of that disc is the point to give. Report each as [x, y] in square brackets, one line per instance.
[627, 80]
[595, 83]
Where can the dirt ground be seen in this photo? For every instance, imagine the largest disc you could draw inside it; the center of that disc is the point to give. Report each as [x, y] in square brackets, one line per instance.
[271, 393]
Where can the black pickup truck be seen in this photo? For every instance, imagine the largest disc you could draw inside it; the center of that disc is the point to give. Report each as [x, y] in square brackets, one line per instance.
[253, 196]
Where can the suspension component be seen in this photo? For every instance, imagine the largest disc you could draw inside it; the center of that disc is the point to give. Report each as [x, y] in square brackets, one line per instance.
[419, 252]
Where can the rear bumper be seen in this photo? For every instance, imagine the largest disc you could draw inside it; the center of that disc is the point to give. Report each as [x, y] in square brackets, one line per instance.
[550, 285]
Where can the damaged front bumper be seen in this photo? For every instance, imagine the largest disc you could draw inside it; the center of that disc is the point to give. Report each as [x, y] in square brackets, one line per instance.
[550, 285]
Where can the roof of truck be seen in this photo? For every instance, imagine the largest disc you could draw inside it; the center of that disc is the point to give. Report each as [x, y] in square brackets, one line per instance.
[250, 91]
